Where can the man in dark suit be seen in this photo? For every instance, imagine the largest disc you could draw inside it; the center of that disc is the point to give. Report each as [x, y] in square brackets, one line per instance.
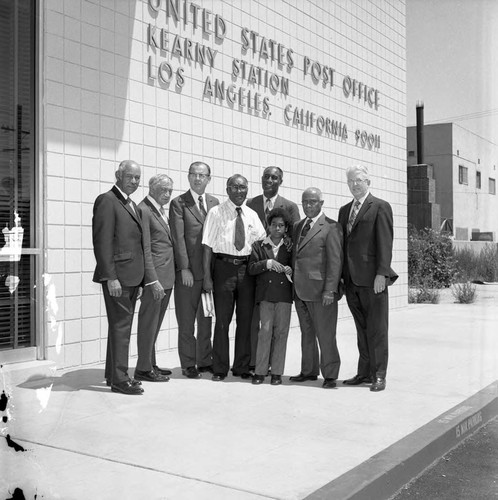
[317, 265]
[159, 277]
[187, 214]
[367, 224]
[262, 204]
[271, 181]
[118, 249]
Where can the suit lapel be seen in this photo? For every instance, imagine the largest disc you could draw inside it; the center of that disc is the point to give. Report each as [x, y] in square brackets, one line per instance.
[132, 211]
[317, 227]
[157, 214]
[363, 210]
[191, 205]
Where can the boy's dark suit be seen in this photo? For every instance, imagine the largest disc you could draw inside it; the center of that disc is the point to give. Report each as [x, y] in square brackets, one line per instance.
[187, 223]
[117, 244]
[270, 285]
[317, 265]
[275, 291]
[159, 266]
[367, 253]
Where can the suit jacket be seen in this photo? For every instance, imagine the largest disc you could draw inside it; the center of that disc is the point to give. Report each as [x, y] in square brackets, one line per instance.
[317, 262]
[368, 248]
[158, 246]
[117, 240]
[258, 205]
[270, 285]
[187, 223]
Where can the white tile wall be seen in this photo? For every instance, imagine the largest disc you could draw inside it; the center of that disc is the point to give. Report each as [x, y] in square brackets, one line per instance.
[99, 109]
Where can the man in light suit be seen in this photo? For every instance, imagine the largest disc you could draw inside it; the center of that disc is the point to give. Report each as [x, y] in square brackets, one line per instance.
[159, 277]
[317, 265]
[118, 249]
[367, 224]
[187, 214]
[271, 181]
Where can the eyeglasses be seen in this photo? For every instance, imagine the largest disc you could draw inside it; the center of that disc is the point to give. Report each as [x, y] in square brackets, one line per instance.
[238, 188]
[310, 202]
[356, 181]
[200, 176]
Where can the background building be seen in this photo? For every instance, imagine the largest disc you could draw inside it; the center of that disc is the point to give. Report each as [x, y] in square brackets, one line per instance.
[463, 167]
[306, 85]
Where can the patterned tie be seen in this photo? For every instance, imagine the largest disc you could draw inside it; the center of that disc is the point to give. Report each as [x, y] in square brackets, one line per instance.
[163, 214]
[305, 230]
[129, 202]
[354, 213]
[201, 207]
[239, 240]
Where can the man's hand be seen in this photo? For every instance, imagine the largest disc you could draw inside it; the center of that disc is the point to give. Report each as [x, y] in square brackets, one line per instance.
[187, 278]
[157, 290]
[207, 284]
[114, 287]
[327, 298]
[288, 270]
[379, 283]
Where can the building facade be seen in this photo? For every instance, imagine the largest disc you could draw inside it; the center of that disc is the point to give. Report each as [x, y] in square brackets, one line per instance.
[463, 166]
[306, 85]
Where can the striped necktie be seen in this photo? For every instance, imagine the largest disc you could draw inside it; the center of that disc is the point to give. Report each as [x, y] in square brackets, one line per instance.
[239, 240]
[352, 217]
[201, 207]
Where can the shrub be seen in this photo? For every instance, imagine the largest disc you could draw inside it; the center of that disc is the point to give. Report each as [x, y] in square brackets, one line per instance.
[430, 259]
[478, 267]
[464, 293]
[423, 294]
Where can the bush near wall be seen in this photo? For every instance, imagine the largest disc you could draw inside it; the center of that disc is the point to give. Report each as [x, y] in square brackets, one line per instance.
[431, 263]
[482, 266]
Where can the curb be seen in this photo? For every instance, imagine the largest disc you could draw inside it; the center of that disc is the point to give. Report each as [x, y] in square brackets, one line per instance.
[382, 475]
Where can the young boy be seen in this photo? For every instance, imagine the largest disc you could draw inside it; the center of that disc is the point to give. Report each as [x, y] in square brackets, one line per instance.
[269, 261]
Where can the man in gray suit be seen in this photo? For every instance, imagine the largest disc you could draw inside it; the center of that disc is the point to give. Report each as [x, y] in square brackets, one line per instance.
[159, 277]
[317, 265]
[187, 215]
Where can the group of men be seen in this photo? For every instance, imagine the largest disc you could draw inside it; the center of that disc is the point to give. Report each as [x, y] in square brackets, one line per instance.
[203, 245]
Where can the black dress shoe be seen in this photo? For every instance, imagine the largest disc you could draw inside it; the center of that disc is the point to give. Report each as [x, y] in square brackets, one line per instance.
[127, 387]
[378, 385]
[162, 371]
[276, 380]
[329, 383]
[191, 372]
[302, 378]
[218, 377]
[151, 376]
[204, 369]
[258, 379]
[244, 375]
[357, 380]
[133, 382]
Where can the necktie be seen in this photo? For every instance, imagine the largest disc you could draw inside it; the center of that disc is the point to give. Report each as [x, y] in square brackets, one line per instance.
[352, 217]
[268, 207]
[305, 230]
[201, 207]
[128, 201]
[163, 214]
[239, 240]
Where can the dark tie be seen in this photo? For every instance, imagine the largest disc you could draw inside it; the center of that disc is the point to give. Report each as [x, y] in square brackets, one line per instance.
[201, 207]
[239, 240]
[352, 217]
[305, 230]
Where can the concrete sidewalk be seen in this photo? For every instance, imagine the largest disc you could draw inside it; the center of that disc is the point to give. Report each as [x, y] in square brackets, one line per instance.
[191, 439]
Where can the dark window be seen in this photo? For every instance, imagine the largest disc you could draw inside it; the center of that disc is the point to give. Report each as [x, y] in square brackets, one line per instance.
[492, 186]
[478, 180]
[463, 175]
[17, 186]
